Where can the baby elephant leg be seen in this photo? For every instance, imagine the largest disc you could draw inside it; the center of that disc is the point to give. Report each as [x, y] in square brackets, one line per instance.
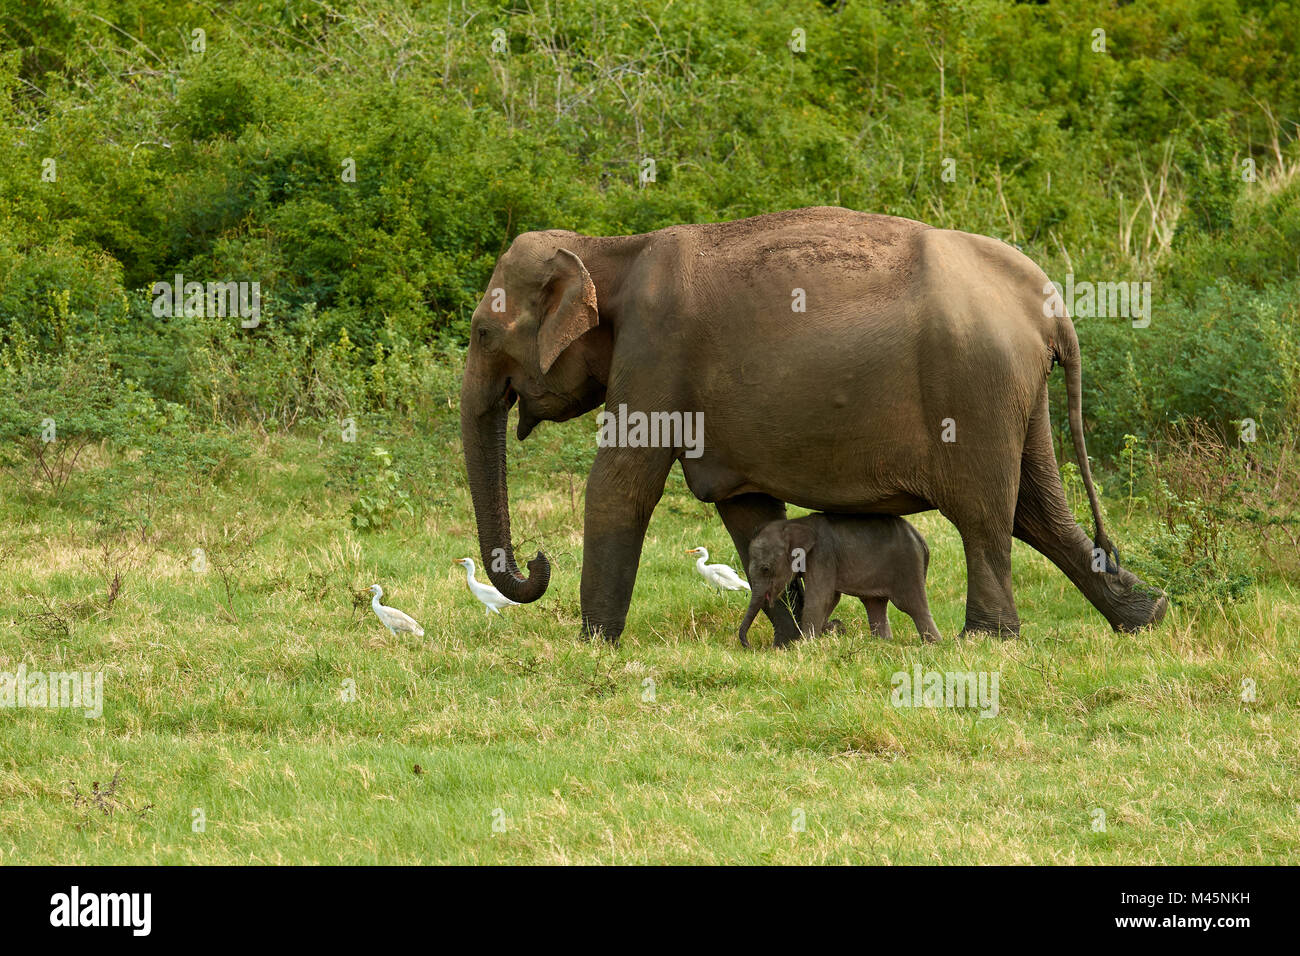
[819, 599]
[835, 625]
[917, 608]
[878, 616]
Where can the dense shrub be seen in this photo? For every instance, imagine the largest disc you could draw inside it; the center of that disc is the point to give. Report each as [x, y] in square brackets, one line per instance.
[367, 163]
[1223, 510]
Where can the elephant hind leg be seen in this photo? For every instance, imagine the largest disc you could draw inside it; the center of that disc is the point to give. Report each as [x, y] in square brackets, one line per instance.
[1044, 521]
[917, 607]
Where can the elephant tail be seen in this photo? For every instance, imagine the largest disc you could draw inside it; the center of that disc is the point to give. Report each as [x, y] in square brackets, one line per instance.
[1067, 355]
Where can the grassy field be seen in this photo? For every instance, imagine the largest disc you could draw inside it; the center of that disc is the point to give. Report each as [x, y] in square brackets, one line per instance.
[506, 740]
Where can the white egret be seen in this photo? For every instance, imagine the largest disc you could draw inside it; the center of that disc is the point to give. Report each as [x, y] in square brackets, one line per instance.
[718, 575]
[493, 600]
[391, 617]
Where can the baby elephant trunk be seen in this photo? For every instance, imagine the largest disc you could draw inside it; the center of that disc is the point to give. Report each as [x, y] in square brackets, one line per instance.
[756, 602]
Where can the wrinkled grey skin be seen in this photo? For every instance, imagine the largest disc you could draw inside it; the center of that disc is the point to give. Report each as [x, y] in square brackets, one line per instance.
[840, 407]
[877, 558]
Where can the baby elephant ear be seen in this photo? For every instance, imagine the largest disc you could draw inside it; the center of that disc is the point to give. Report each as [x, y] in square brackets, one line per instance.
[798, 536]
[569, 310]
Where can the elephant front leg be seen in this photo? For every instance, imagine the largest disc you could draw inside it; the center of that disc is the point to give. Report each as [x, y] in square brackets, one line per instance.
[744, 516]
[819, 599]
[990, 605]
[623, 488]
[878, 617]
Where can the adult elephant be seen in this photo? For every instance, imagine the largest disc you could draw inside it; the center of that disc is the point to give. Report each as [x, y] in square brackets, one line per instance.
[843, 362]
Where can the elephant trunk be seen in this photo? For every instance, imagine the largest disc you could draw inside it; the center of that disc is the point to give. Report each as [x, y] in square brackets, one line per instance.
[483, 435]
[756, 601]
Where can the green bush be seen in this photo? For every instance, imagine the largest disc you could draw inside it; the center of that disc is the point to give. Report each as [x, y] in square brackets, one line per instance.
[367, 165]
[1223, 513]
[382, 496]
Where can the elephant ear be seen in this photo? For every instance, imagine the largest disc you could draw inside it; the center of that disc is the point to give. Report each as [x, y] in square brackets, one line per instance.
[570, 307]
[798, 536]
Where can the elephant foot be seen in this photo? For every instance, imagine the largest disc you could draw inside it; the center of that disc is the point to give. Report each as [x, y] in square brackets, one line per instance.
[977, 628]
[1158, 611]
[784, 640]
[1134, 604]
[785, 635]
[598, 632]
[833, 627]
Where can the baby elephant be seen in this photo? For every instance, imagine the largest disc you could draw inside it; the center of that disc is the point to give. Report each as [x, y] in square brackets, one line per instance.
[878, 558]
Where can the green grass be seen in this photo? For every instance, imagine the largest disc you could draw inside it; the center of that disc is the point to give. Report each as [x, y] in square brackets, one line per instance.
[238, 712]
